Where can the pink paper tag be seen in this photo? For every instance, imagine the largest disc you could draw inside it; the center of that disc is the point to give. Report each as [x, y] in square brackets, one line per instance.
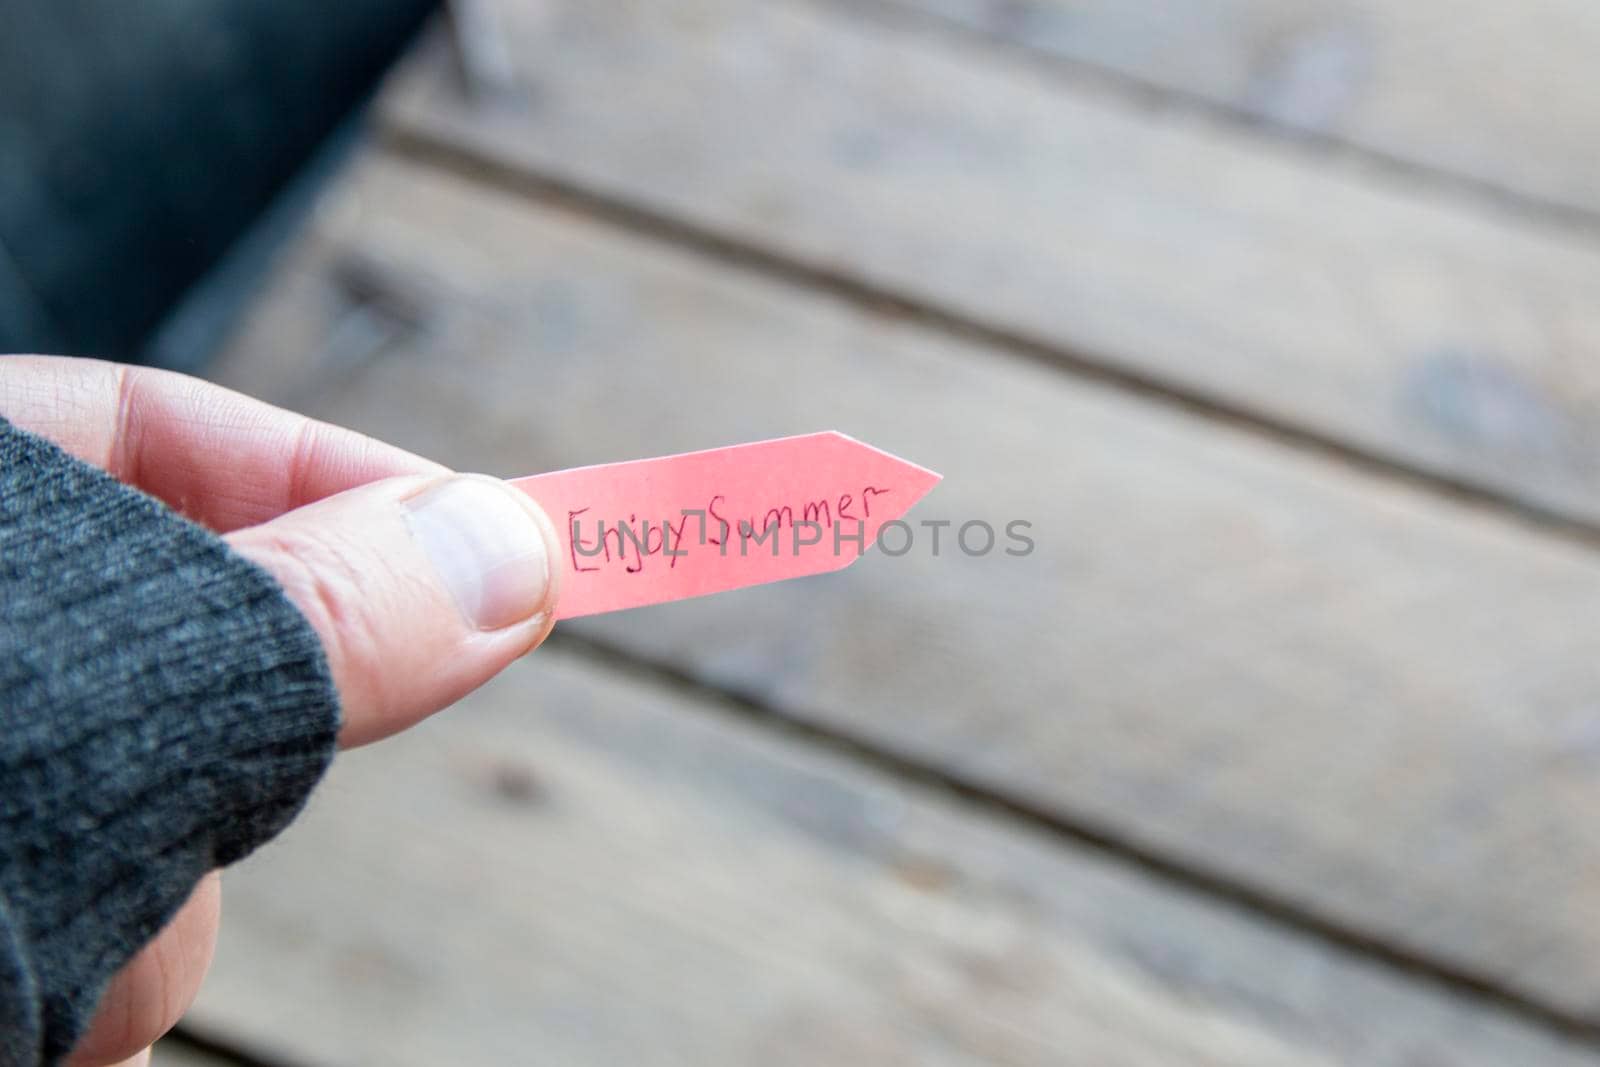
[653, 530]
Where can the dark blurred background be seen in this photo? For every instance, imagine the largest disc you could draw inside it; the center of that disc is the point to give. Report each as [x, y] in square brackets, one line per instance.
[144, 146]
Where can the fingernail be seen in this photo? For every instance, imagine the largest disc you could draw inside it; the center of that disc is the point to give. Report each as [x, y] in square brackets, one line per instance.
[487, 548]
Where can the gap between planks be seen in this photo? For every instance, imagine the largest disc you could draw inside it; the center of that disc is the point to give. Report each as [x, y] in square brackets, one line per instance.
[184, 1045]
[1485, 193]
[624, 214]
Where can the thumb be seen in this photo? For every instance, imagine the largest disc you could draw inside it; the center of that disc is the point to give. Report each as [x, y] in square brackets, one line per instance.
[422, 589]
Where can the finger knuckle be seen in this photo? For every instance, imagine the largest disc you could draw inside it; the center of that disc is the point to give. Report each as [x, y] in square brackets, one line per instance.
[324, 580]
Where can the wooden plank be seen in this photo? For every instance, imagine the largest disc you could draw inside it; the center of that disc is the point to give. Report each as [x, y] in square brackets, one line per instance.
[577, 868]
[1375, 705]
[177, 1053]
[1496, 92]
[1311, 292]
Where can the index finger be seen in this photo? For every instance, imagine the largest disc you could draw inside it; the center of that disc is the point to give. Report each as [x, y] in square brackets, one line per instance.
[219, 457]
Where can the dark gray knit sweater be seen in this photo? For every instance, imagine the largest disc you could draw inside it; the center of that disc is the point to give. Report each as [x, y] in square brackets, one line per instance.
[165, 710]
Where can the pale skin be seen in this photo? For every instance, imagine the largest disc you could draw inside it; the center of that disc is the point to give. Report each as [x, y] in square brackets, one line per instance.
[320, 509]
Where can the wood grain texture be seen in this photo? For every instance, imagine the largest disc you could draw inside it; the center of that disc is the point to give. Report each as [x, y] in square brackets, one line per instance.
[575, 868]
[1360, 699]
[1501, 93]
[1311, 292]
[179, 1054]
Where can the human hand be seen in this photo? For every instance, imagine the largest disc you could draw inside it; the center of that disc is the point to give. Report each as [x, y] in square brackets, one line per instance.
[422, 584]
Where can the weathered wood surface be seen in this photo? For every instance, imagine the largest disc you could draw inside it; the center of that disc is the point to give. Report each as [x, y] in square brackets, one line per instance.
[1370, 703]
[1312, 292]
[578, 868]
[1502, 93]
[178, 1054]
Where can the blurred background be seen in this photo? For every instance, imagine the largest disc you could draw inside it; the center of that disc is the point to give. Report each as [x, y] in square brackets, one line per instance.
[1279, 320]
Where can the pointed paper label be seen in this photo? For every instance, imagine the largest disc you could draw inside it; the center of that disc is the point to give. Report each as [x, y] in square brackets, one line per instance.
[654, 530]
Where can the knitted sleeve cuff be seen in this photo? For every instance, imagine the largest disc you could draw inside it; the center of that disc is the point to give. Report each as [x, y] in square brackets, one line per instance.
[164, 709]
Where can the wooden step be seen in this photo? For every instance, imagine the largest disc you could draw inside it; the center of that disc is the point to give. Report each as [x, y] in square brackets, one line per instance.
[575, 867]
[1491, 94]
[1321, 296]
[1369, 705]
